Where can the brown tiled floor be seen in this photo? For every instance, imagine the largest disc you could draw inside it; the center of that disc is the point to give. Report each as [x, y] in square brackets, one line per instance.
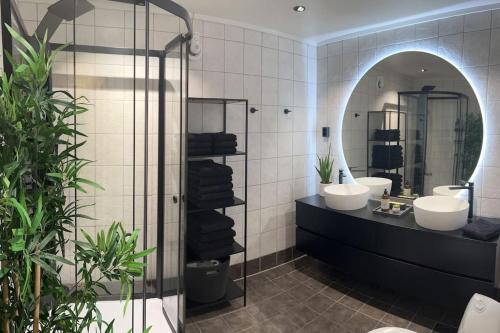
[309, 296]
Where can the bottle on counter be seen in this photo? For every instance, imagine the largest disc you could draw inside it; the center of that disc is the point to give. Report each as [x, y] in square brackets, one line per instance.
[385, 201]
[407, 189]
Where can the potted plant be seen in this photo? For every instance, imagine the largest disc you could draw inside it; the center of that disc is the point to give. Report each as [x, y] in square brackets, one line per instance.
[325, 169]
[39, 170]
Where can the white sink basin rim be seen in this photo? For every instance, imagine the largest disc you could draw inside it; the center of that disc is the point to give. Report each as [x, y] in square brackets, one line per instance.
[443, 213]
[445, 191]
[377, 185]
[346, 196]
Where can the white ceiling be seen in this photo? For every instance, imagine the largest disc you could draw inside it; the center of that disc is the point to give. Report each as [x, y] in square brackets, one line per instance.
[326, 19]
[411, 63]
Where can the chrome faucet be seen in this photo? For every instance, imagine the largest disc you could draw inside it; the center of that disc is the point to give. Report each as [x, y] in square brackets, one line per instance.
[341, 176]
[470, 187]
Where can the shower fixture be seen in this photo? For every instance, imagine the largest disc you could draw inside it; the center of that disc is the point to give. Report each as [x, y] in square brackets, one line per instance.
[67, 10]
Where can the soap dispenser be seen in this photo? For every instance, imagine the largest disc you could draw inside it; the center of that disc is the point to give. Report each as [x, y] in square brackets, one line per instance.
[385, 201]
[407, 189]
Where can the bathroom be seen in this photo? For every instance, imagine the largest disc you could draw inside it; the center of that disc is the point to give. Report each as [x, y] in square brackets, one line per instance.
[277, 88]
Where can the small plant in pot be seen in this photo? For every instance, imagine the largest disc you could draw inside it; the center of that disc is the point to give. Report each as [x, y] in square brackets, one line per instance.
[325, 169]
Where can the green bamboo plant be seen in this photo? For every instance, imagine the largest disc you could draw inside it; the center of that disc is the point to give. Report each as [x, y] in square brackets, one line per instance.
[325, 167]
[39, 168]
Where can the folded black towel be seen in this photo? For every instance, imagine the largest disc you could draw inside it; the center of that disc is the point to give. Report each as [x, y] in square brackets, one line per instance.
[387, 135]
[202, 137]
[208, 221]
[206, 181]
[199, 151]
[208, 168]
[387, 164]
[224, 144]
[194, 235]
[223, 150]
[209, 246]
[213, 254]
[197, 189]
[223, 137]
[212, 204]
[482, 229]
[199, 197]
[397, 181]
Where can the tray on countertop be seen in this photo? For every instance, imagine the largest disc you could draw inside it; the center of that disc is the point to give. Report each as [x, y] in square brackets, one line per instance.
[390, 212]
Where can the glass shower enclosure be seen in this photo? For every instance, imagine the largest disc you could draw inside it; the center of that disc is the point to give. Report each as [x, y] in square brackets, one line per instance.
[129, 59]
[436, 137]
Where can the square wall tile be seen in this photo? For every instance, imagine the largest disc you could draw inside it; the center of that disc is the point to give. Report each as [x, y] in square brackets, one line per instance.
[269, 91]
[477, 21]
[285, 44]
[253, 89]
[213, 84]
[234, 56]
[495, 18]
[476, 48]
[426, 30]
[270, 40]
[269, 118]
[451, 25]
[495, 47]
[285, 65]
[234, 33]
[269, 170]
[253, 37]
[213, 30]
[269, 145]
[252, 60]
[213, 54]
[269, 62]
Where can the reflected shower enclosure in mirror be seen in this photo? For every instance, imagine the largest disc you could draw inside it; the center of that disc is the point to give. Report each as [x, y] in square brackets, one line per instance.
[415, 119]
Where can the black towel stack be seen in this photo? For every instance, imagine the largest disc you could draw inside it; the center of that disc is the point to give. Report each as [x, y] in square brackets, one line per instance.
[387, 135]
[397, 181]
[210, 235]
[199, 144]
[210, 184]
[211, 143]
[224, 143]
[387, 157]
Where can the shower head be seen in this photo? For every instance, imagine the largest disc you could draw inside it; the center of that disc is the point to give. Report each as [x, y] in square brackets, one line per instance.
[70, 9]
[67, 10]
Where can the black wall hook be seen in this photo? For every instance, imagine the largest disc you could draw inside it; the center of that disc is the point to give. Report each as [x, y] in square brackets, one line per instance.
[287, 111]
[253, 110]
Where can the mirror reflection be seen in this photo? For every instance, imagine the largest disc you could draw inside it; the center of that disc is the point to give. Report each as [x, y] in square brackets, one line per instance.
[413, 118]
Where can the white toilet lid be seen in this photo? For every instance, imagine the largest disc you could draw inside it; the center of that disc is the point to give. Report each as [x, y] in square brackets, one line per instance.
[391, 330]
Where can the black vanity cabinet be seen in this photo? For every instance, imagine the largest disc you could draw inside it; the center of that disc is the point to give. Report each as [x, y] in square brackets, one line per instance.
[395, 253]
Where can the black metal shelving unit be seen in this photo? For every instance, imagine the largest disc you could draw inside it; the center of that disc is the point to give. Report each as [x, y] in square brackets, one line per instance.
[385, 126]
[234, 290]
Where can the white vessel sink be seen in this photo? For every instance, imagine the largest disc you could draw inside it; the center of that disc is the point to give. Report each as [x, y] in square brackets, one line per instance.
[346, 196]
[445, 191]
[376, 185]
[442, 213]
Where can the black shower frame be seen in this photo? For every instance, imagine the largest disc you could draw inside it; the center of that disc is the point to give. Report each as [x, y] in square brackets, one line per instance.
[456, 95]
[9, 11]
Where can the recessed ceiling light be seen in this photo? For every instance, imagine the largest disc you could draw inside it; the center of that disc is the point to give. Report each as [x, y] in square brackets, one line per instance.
[299, 8]
[423, 70]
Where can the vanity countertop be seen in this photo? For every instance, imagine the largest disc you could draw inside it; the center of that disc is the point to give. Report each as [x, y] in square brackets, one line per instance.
[406, 221]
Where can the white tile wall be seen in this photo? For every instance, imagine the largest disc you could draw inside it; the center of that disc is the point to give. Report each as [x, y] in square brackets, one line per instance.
[470, 42]
[273, 73]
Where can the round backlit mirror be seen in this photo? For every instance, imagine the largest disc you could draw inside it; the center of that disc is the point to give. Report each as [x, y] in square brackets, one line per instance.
[415, 119]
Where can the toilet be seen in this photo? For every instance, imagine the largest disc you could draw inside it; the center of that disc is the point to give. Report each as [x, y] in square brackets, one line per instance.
[481, 315]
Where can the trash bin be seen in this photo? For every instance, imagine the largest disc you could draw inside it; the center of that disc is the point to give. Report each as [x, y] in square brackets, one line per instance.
[206, 280]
